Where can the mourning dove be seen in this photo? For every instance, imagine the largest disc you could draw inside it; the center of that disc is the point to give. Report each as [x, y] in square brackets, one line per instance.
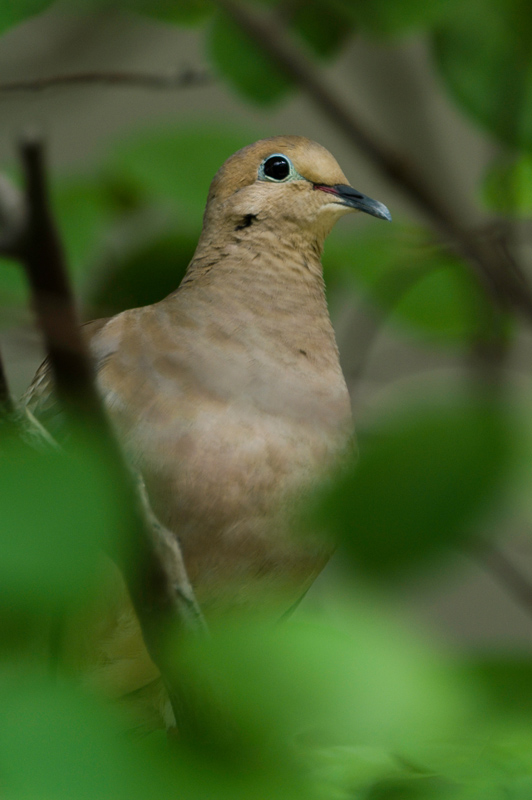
[228, 395]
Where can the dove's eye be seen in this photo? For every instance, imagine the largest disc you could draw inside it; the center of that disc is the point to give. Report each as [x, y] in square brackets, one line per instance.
[277, 168]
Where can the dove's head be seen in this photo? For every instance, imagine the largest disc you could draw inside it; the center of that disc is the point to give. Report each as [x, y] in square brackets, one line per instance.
[286, 183]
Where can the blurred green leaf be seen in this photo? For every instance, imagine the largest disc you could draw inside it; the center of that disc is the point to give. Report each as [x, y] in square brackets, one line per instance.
[177, 165]
[388, 18]
[505, 680]
[446, 305]
[418, 284]
[13, 287]
[423, 479]
[181, 12]
[83, 212]
[360, 680]
[489, 761]
[507, 186]
[56, 510]
[323, 25]
[55, 742]
[243, 64]
[144, 276]
[419, 787]
[484, 53]
[14, 11]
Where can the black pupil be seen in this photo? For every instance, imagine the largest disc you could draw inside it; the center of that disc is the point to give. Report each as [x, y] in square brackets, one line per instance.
[277, 167]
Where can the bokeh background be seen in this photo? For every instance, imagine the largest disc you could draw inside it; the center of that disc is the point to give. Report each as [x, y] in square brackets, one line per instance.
[439, 368]
[131, 167]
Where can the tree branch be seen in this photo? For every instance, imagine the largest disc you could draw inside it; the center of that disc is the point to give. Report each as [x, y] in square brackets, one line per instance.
[184, 79]
[501, 276]
[157, 579]
[6, 404]
[12, 219]
[510, 577]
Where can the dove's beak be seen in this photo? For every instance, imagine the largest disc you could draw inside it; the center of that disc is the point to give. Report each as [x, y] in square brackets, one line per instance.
[347, 196]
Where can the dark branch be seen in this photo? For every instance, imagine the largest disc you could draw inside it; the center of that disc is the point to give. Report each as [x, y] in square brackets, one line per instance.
[156, 579]
[510, 577]
[185, 79]
[52, 296]
[501, 277]
[6, 404]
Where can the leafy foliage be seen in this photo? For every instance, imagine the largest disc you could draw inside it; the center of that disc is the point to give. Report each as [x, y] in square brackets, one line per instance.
[421, 480]
[487, 67]
[383, 18]
[416, 283]
[324, 28]
[73, 513]
[14, 11]
[243, 65]
[507, 187]
[176, 166]
[348, 702]
[184, 12]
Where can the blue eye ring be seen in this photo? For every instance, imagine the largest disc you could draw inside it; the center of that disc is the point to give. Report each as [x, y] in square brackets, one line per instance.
[277, 168]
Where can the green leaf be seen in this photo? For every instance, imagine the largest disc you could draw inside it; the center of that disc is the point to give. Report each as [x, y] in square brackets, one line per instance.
[181, 12]
[487, 67]
[416, 283]
[325, 27]
[388, 18]
[243, 64]
[83, 214]
[55, 742]
[446, 304]
[505, 680]
[507, 186]
[178, 165]
[14, 294]
[423, 480]
[14, 11]
[362, 679]
[51, 740]
[57, 510]
[144, 276]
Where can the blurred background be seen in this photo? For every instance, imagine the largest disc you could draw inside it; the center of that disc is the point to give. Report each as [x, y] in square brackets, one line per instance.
[131, 167]
[426, 104]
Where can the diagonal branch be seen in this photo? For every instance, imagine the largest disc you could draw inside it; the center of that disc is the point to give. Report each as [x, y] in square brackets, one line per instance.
[157, 580]
[6, 404]
[185, 79]
[506, 573]
[499, 274]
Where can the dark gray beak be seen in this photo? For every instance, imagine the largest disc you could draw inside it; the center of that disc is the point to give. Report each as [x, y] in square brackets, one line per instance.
[347, 196]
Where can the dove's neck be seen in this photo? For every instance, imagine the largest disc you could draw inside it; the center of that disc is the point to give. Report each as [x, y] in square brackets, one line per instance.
[258, 307]
[271, 286]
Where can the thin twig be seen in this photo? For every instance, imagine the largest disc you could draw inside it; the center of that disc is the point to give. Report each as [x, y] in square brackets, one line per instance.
[52, 295]
[152, 578]
[6, 403]
[184, 79]
[505, 282]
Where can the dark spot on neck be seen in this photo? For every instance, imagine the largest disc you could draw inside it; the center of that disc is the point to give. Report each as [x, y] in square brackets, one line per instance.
[303, 352]
[248, 220]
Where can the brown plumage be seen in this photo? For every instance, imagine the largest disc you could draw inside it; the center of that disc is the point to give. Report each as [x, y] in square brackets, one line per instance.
[228, 395]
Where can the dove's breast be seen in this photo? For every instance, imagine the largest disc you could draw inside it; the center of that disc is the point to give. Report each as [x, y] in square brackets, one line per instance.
[227, 451]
